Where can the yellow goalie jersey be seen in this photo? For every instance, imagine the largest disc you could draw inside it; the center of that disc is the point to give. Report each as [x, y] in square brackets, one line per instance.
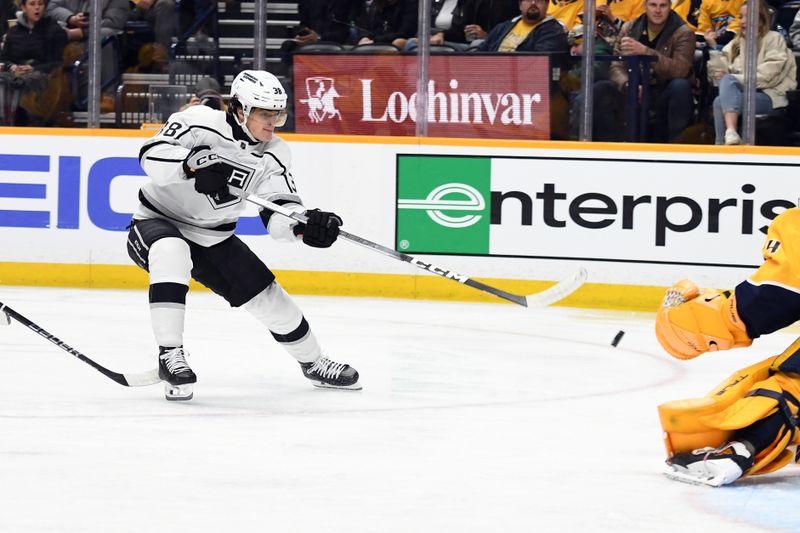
[770, 299]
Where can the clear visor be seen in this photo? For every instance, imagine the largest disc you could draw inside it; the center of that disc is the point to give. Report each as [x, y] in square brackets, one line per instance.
[272, 117]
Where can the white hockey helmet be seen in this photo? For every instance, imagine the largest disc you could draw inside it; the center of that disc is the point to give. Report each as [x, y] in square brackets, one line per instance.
[258, 88]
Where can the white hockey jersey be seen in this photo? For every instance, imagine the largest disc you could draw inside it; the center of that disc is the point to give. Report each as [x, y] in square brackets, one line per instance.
[259, 168]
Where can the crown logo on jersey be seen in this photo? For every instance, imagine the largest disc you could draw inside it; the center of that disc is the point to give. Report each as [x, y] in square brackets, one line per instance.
[321, 99]
[239, 178]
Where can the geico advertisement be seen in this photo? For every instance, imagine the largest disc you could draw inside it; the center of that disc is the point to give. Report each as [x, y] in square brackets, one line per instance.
[680, 212]
[72, 198]
[377, 95]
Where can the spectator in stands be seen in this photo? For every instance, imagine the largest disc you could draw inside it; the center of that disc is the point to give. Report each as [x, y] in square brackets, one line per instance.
[661, 33]
[207, 93]
[718, 21]
[624, 10]
[74, 16]
[776, 73]
[382, 22]
[566, 12]
[319, 21]
[152, 59]
[478, 17]
[161, 14]
[463, 24]
[31, 51]
[689, 10]
[324, 21]
[571, 81]
[531, 31]
[794, 31]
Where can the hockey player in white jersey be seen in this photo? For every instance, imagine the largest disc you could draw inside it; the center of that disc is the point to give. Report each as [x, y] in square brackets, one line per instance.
[199, 164]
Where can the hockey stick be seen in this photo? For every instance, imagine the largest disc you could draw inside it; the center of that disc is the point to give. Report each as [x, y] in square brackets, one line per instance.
[139, 379]
[557, 292]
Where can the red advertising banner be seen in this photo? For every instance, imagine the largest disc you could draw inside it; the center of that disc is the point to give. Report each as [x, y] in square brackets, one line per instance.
[468, 96]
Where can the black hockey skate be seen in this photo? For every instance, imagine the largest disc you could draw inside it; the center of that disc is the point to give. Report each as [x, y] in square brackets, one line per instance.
[327, 374]
[711, 466]
[175, 371]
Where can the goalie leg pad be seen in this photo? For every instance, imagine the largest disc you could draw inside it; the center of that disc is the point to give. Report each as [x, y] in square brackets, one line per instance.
[691, 321]
[739, 403]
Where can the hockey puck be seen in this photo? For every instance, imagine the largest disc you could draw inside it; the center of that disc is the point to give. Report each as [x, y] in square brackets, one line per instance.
[617, 338]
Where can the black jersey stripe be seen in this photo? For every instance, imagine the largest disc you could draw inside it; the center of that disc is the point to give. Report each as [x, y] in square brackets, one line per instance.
[144, 149]
[229, 226]
[164, 160]
[199, 127]
[285, 172]
[293, 336]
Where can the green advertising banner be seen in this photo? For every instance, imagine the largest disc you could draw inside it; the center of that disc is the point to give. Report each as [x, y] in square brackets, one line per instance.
[443, 204]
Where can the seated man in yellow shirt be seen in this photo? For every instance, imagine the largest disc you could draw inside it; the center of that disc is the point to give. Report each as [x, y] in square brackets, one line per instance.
[532, 31]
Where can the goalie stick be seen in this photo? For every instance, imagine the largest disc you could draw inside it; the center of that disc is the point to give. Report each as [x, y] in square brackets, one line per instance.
[557, 292]
[139, 379]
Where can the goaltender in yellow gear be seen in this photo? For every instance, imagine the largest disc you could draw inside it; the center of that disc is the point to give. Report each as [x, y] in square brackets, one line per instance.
[744, 425]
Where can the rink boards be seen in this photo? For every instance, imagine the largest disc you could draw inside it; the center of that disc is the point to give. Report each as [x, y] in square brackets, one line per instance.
[515, 214]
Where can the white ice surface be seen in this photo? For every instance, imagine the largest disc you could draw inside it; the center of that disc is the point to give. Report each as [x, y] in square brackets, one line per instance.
[473, 418]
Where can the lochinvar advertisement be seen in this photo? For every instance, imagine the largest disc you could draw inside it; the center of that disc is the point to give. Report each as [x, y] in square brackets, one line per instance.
[481, 96]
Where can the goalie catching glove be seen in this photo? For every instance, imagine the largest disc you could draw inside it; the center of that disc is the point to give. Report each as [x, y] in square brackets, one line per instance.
[210, 175]
[320, 230]
[692, 321]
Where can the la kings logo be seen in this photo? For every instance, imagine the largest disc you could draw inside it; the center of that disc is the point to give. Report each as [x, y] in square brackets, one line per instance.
[239, 179]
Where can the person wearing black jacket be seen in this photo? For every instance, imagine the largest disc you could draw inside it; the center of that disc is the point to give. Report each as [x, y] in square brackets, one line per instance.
[474, 19]
[531, 31]
[324, 21]
[36, 43]
[463, 24]
[382, 21]
[31, 51]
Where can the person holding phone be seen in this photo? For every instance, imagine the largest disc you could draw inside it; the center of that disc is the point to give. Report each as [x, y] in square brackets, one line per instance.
[323, 21]
[74, 16]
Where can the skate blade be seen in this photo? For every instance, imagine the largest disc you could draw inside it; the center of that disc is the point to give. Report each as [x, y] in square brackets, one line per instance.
[683, 477]
[321, 385]
[178, 393]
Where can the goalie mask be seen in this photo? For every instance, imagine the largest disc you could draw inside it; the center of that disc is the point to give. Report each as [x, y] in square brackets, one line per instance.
[257, 89]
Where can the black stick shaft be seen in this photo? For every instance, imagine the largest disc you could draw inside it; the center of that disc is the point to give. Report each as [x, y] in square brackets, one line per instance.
[430, 267]
[122, 379]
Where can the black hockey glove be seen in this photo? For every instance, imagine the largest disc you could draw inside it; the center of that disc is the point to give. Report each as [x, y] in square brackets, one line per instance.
[210, 175]
[321, 230]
